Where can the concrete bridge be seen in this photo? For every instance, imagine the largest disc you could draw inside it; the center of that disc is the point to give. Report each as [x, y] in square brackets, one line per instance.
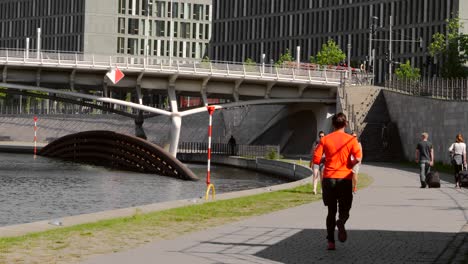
[75, 75]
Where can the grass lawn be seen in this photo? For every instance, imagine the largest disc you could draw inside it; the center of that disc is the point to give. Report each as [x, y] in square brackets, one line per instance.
[71, 244]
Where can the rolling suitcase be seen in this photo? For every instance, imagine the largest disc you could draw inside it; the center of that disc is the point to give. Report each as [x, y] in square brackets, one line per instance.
[463, 175]
[433, 179]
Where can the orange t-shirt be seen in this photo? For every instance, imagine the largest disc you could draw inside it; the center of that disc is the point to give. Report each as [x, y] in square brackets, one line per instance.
[338, 148]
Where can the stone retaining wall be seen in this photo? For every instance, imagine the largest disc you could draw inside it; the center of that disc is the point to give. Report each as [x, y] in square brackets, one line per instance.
[441, 119]
[283, 169]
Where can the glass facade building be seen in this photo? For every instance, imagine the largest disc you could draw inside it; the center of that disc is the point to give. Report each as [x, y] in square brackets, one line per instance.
[247, 29]
[162, 28]
[61, 23]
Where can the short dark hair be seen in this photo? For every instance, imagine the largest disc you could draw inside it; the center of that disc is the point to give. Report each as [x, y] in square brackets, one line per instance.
[339, 120]
[321, 132]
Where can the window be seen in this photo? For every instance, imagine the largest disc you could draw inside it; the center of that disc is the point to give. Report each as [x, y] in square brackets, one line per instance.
[160, 8]
[194, 50]
[142, 47]
[197, 10]
[163, 48]
[181, 49]
[169, 29]
[132, 46]
[120, 45]
[155, 48]
[176, 29]
[160, 28]
[207, 12]
[185, 30]
[194, 30]
[200, 31]
[182, 10]
[133, 24]
[121, 25]
[137, 7]
[122, 4]
[175, 9]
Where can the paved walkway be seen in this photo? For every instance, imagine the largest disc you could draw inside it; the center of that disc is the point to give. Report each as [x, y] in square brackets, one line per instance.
[392, 221]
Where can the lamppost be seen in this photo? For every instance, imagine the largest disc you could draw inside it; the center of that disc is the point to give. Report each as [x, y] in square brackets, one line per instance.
[372, 30]
[147, 31]
[349, 57]
[263, 63]
[171, 32]
[38, 44]
[298, 54]
[26, 55]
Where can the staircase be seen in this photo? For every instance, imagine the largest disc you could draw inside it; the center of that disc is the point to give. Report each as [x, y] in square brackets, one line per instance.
[379, 136]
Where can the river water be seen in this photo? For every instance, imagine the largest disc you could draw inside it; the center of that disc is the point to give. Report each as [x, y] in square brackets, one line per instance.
[41, 189]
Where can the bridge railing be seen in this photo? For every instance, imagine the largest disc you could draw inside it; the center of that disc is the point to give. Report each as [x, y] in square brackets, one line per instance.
[172, 65]
[226, 149]
[437, 88]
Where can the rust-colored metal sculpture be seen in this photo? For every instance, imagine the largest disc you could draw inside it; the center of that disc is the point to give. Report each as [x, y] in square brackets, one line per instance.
[114, 150]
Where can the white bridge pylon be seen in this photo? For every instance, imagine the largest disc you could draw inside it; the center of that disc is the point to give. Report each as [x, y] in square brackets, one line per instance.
[175, 115]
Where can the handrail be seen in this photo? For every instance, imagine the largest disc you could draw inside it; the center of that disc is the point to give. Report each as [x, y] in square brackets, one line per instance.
[442, 89]
[227, 149]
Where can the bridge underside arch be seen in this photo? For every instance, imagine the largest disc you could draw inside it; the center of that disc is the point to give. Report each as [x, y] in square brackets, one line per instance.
[295, 133]
[114, 150]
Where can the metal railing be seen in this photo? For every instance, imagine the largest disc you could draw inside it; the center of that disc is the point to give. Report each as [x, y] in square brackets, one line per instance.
[40, 108]
[175, 65]
[226, 149]
[438, 88]
[360, 79]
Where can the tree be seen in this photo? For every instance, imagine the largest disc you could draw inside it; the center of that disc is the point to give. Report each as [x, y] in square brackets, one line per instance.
[451, 49]
[407, 72]
[330, 54]
[286, 57]
[205, 63]
[249, 64]
[312, 59]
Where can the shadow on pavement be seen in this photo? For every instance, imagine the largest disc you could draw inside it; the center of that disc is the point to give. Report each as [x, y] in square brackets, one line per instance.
[283, 245]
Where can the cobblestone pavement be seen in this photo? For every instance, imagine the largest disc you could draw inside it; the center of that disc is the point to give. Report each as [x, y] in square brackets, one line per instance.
[392, 221]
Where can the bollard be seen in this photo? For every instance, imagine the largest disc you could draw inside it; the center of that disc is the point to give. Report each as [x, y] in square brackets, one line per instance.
[209, 186]
[35, 136]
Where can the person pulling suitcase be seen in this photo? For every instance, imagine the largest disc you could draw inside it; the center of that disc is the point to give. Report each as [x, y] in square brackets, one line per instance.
[433, 179]
[463, 177]
[424, 157]
[458, 156]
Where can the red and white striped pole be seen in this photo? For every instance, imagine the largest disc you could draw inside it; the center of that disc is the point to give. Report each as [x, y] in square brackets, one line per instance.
[209, 186]
[35, 136]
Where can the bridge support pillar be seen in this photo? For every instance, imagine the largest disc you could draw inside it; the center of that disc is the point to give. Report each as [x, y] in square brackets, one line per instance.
[175, 134]
[176, 120]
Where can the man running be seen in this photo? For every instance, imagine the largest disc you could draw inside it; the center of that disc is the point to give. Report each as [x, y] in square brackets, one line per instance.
[337, 185]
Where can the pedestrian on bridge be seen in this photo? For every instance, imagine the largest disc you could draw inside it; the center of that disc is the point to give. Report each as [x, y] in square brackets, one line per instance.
[232, 145]
[337, 184]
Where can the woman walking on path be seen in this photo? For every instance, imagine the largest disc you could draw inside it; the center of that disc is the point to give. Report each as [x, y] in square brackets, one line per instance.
[317, 169]
[458, 154]
[357, 166]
